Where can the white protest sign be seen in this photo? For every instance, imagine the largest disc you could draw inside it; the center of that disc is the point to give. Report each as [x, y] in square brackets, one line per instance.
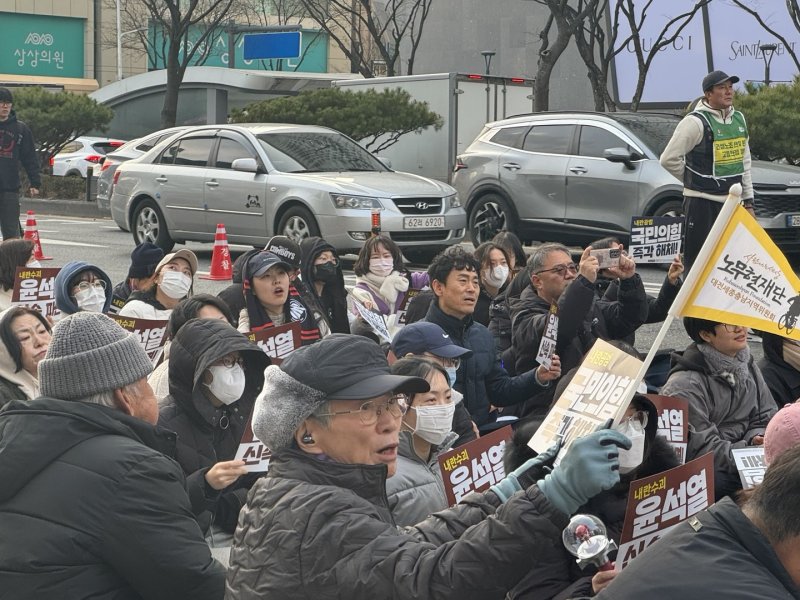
[375, 320]
[751, 464]
[547, 347]
[655, 239]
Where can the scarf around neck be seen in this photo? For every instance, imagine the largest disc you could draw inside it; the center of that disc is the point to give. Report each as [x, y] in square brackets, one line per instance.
[388, 287]
[736, 369]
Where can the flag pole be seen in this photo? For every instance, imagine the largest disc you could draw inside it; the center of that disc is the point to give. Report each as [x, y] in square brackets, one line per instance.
[731, 203]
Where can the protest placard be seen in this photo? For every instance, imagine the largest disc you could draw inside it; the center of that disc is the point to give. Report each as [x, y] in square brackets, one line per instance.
[277, 342]
[659, 502]
[751, 464]
[475, 466]
[34, 288]
[673, 421]
[547, 347]
[601, 389]
[401, 312]
[373, 319]
[151, 333]
[655, 239]
[252, 451]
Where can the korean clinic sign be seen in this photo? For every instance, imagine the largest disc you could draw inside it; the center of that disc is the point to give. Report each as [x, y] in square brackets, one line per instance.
[41, 45]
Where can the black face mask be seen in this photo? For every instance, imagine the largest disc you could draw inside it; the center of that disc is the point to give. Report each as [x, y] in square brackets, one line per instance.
[326, 272]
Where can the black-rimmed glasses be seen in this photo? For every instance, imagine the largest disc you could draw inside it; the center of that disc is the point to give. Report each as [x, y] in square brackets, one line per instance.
[560, 270]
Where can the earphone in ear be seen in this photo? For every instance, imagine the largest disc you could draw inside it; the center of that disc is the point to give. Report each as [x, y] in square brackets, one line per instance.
[307, 439]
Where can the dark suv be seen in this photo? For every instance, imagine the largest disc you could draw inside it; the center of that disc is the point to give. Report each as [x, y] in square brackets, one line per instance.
[574, 177]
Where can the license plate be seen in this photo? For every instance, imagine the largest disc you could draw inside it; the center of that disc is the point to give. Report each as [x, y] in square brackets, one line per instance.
[793, 220]
[424, 222]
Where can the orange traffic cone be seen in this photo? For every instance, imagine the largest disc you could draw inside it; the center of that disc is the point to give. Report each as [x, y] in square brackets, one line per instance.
[221, 257]
[32, 234]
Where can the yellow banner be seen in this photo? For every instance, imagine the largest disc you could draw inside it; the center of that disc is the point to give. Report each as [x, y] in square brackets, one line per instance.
[729, 151]
[747, 281]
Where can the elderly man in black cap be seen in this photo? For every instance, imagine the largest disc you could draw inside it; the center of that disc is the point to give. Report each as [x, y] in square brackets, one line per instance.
[17, 147]
[318, 525]
[92, 505]
[709, 152]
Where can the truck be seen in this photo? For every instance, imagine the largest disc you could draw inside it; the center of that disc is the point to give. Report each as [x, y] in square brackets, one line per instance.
[466, 102]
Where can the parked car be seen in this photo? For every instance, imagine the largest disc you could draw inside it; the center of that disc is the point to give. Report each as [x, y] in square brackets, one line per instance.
[75, 158]
[129, 150]
[261, 180]
[574, 177]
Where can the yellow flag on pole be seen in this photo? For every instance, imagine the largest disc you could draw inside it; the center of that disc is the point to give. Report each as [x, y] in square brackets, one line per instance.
[745, 280]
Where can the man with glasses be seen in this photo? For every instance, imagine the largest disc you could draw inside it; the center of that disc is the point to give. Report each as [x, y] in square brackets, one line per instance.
[582, 317]
[16, 148]
[729, 402]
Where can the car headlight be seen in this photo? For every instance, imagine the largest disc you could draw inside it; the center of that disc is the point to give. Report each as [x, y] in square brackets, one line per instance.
[453, 201]
[359, 202]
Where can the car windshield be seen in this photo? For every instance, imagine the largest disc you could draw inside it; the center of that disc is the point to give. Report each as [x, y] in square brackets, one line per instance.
[653, 130]
[314, 152]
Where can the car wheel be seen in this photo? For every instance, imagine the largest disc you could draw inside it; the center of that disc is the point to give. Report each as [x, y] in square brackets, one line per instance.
[670, 208]
[148, 225]
[421, 256]
[298, 224]
[489, 215]
[73, 174]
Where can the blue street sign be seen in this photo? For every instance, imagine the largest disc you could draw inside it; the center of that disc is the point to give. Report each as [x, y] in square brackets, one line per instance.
[284, 44]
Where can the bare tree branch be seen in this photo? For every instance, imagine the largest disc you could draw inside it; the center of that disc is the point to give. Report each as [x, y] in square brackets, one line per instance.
[794, 15]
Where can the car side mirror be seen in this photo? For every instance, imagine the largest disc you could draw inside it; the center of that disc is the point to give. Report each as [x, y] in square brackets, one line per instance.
[248, 165]
[622, 155]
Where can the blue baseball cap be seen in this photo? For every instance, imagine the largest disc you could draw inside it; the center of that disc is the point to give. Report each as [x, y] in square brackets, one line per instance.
[422, 336]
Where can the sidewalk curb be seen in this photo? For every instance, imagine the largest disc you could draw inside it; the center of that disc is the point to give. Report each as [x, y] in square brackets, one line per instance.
[62, 208]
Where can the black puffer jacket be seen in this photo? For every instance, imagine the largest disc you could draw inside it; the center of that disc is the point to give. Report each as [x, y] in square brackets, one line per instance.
[333, 301]
[17, 148]
[317, 529]
[209, 434]
[91, 506]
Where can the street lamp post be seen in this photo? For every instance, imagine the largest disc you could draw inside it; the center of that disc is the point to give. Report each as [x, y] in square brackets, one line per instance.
[487, 59]
[767, 52]
[121, 35]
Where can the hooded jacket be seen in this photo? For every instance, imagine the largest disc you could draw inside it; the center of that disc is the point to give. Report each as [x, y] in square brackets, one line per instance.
[209, 434]
[782, 379]
[69, 271]
[319, 529]
[233, 295]
[416, 490]
[17, 147]
[15, 385]
[99, 509]
[721, 416]
[481, 378]
[333, 300]
[720, 554]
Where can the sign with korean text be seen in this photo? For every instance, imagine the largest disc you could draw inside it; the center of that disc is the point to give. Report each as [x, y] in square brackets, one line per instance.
[673, 421]
[751, 464]
[35, 289]
[547, 347]
[600, 390]
[401, 312]
[277, 342]
[41, 45]
[152, 334]
[659, 502]
[746, 281]
[655, 239]
[475, 466]
[252, 451]
[373, 319]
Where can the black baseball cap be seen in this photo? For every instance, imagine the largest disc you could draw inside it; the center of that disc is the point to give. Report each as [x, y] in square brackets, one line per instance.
[717, 77]
[5, 95]
[286, 248]
[262, 262]
[422, 336]
[348, 367]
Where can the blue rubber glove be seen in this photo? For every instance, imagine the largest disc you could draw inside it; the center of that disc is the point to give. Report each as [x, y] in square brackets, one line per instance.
[590, 466]
[526, 474]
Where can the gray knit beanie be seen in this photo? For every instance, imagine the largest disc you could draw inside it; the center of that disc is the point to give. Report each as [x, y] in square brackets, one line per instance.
[90, 353]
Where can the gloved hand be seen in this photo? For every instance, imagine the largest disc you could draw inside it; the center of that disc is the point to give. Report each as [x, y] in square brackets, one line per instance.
[590, 466]
[526, 474]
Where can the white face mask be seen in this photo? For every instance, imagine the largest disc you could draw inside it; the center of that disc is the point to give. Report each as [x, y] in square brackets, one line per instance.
[228, 383]
[434, 422]
[34, 264]
[91, 300]
[496, 276]
[381, 266]
[175, 284]
[630, 460]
